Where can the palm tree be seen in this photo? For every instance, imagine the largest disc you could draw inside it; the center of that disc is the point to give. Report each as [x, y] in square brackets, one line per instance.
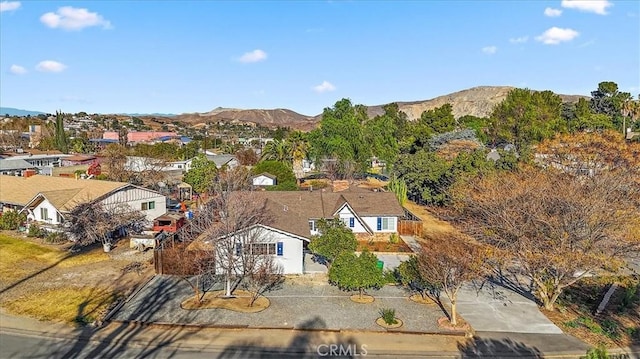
[277, 150]
[299, 146]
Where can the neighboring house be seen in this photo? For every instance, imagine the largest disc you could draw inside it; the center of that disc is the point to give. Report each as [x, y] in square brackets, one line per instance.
[43, 160]
[181, 165]
[15, 167]
[138, 137]
[49, 199]
[223, 160]
[264, 179]
[294, 216]
[77, 160]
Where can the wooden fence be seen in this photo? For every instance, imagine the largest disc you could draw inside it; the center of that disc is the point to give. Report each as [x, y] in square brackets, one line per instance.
[409, 228]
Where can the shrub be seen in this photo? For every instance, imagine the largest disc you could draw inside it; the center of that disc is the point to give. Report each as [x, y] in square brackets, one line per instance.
[597, 353]
[391, 276]
[571, 324]
[36, 231]
[55, 237]
[393, 238]
[594, 327]
[610, 329]
[317, 184]
[629, 296]
[388, 315]
[11, 220]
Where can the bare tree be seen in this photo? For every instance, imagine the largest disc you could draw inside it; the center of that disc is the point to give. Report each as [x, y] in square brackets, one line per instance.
[91, 221]
[190, 262]
[556, 226]
[448, 263]
[260, 270]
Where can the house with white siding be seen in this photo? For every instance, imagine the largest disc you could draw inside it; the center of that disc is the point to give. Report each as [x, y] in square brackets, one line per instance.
[294, 215]
[49, 199]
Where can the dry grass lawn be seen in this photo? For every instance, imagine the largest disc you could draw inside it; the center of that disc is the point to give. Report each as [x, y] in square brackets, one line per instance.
[240, 303]
[72, 305]
[48, 282]
[432, 227]
[417, 298]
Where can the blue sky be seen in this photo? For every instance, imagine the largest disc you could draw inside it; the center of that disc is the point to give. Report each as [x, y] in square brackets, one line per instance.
[193, 56]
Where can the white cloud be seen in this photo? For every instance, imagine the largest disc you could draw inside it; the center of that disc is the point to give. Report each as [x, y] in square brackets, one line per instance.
[70, 18]
[595, 6]
[50, 66]
[17, 70]
[551, 12]
[489, 50]
[519, 40]
[556, 35]
[256, 55]
[9, 6]
[325, 86]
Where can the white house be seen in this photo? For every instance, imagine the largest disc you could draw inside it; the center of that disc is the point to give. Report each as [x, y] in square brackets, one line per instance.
[48, 199]
[294, 215]
[264, 179]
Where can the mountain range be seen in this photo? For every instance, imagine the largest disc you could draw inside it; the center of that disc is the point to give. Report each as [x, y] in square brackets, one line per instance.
[477, 101]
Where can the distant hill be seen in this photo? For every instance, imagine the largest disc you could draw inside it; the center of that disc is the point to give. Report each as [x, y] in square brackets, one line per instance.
[476, 101]
[268, 118]
[18, 112]
[149, 114]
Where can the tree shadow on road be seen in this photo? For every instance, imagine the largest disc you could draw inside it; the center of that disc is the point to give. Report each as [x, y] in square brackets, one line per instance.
[497, 348]
[117, 338]
[309, 342]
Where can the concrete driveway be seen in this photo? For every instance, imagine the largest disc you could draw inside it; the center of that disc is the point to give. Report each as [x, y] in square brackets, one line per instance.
[493, 308]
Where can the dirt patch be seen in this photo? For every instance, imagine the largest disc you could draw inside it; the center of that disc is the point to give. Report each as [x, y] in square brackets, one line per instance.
[422, 300]
[239, 303]
[386, 246]
[618, 325]
[380, 321]
[364, 299]
[48, 282]
[432, 227]
[461, 325]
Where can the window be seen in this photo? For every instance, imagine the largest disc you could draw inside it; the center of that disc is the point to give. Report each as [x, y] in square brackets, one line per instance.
[386, 224]
[312, 226]
[259, 248]
[352, 222]
[59, 218]
[44, 214]
[148, 205]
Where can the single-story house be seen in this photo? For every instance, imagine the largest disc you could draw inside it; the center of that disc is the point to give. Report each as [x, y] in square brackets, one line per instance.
[14, 167]
[264, 179]
[224, 160]
[294, 216]
[76, 160]
[48, 199]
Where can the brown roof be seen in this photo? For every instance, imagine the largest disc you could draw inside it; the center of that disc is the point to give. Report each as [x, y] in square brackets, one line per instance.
[63, 192]
[291, 210]
[80, 158]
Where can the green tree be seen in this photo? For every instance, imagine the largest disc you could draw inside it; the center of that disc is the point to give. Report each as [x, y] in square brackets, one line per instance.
[277, 150]
[608, 100]
[525, 117]
[11, 220]
[439, 119]
[381, 133]
[351, 272]
[285, 179]
[341, 135]
[201, 174]
[426, 176]
[334, 239]
[299, 147]
[399, 188]
[478, 124]
[61, 141]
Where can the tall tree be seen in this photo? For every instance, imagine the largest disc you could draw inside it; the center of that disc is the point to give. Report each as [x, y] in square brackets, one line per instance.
[382, 134]
[557, 227]
[341, 135]
[525, 117]
[277, 150]
[608, 100]
[299, 146]
[61, 141]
